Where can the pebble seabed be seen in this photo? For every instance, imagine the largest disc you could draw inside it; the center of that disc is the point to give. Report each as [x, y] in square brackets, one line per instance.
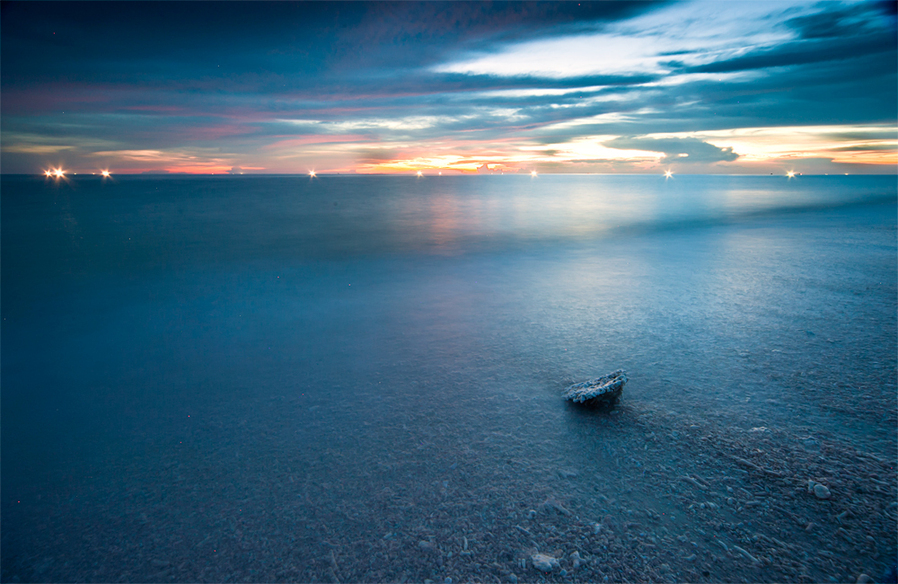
[733, 506]
[657, 498]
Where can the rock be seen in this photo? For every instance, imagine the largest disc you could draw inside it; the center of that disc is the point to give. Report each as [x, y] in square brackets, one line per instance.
[544, 563]
[601, 391]
[576, 559]
[429, 547]
[821, 492]
[553, 504]
[864, 579]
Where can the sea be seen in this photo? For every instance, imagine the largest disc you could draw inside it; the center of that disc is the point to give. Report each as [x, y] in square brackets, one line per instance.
[358, 378]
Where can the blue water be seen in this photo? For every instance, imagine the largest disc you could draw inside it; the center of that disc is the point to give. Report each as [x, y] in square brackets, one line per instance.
[297, 373]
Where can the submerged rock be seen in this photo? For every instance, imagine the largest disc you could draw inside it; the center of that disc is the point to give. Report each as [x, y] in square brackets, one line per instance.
[818, 490]
[601, 391]
[428, 547]
[544, 563]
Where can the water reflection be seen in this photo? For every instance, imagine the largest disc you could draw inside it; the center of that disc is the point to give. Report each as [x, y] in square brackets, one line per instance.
[361, 375]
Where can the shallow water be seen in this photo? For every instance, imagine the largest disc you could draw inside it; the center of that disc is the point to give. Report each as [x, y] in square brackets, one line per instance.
[277, 378]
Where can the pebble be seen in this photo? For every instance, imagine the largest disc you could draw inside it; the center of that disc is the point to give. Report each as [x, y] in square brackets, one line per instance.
[426, 546]
[576, 559]
[513, 578]
[864, 579]
[544, 563]
[554, 505]
[821, 492]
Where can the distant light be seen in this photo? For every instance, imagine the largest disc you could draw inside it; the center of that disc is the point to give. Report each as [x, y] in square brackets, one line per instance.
[441, 173]
[668, 173]
[59, 173]
[48, 173]
[420, 173]
[533, 173]
[105, 174]
[312, 173]
[791, 174]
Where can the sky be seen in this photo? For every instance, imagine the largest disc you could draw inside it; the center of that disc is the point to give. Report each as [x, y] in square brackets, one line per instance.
[562, 87]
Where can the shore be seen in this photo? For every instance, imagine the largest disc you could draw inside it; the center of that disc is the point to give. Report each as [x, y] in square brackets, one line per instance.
[646, 496]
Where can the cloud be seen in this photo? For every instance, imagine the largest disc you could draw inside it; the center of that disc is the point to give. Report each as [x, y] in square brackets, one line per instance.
[841, 21]
[867, 148]
[680, 150]
[801, 53]
[326, 85]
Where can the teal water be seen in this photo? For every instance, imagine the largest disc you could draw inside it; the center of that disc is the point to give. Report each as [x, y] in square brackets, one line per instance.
[280, 367]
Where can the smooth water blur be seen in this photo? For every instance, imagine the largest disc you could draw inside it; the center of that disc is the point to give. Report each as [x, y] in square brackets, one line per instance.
[206, 337]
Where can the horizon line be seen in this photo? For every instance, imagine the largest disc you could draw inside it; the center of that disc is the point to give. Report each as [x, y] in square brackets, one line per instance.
[429, 174]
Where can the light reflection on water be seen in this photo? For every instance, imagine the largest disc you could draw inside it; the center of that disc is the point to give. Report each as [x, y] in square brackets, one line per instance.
[324, 330]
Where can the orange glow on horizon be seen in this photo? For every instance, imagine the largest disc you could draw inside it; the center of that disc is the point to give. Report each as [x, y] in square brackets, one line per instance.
[200, 169]
[872, 157]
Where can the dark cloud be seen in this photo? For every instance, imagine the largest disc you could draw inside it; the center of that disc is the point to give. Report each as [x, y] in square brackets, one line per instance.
[681, 150]
[127, 42]
[866, 148]
[802, 53]
[840, 21]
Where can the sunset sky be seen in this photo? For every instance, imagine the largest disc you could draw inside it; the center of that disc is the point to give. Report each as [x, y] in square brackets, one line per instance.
[696, 87]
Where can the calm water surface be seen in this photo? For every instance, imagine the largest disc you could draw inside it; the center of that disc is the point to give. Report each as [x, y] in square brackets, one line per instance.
[252, 364]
